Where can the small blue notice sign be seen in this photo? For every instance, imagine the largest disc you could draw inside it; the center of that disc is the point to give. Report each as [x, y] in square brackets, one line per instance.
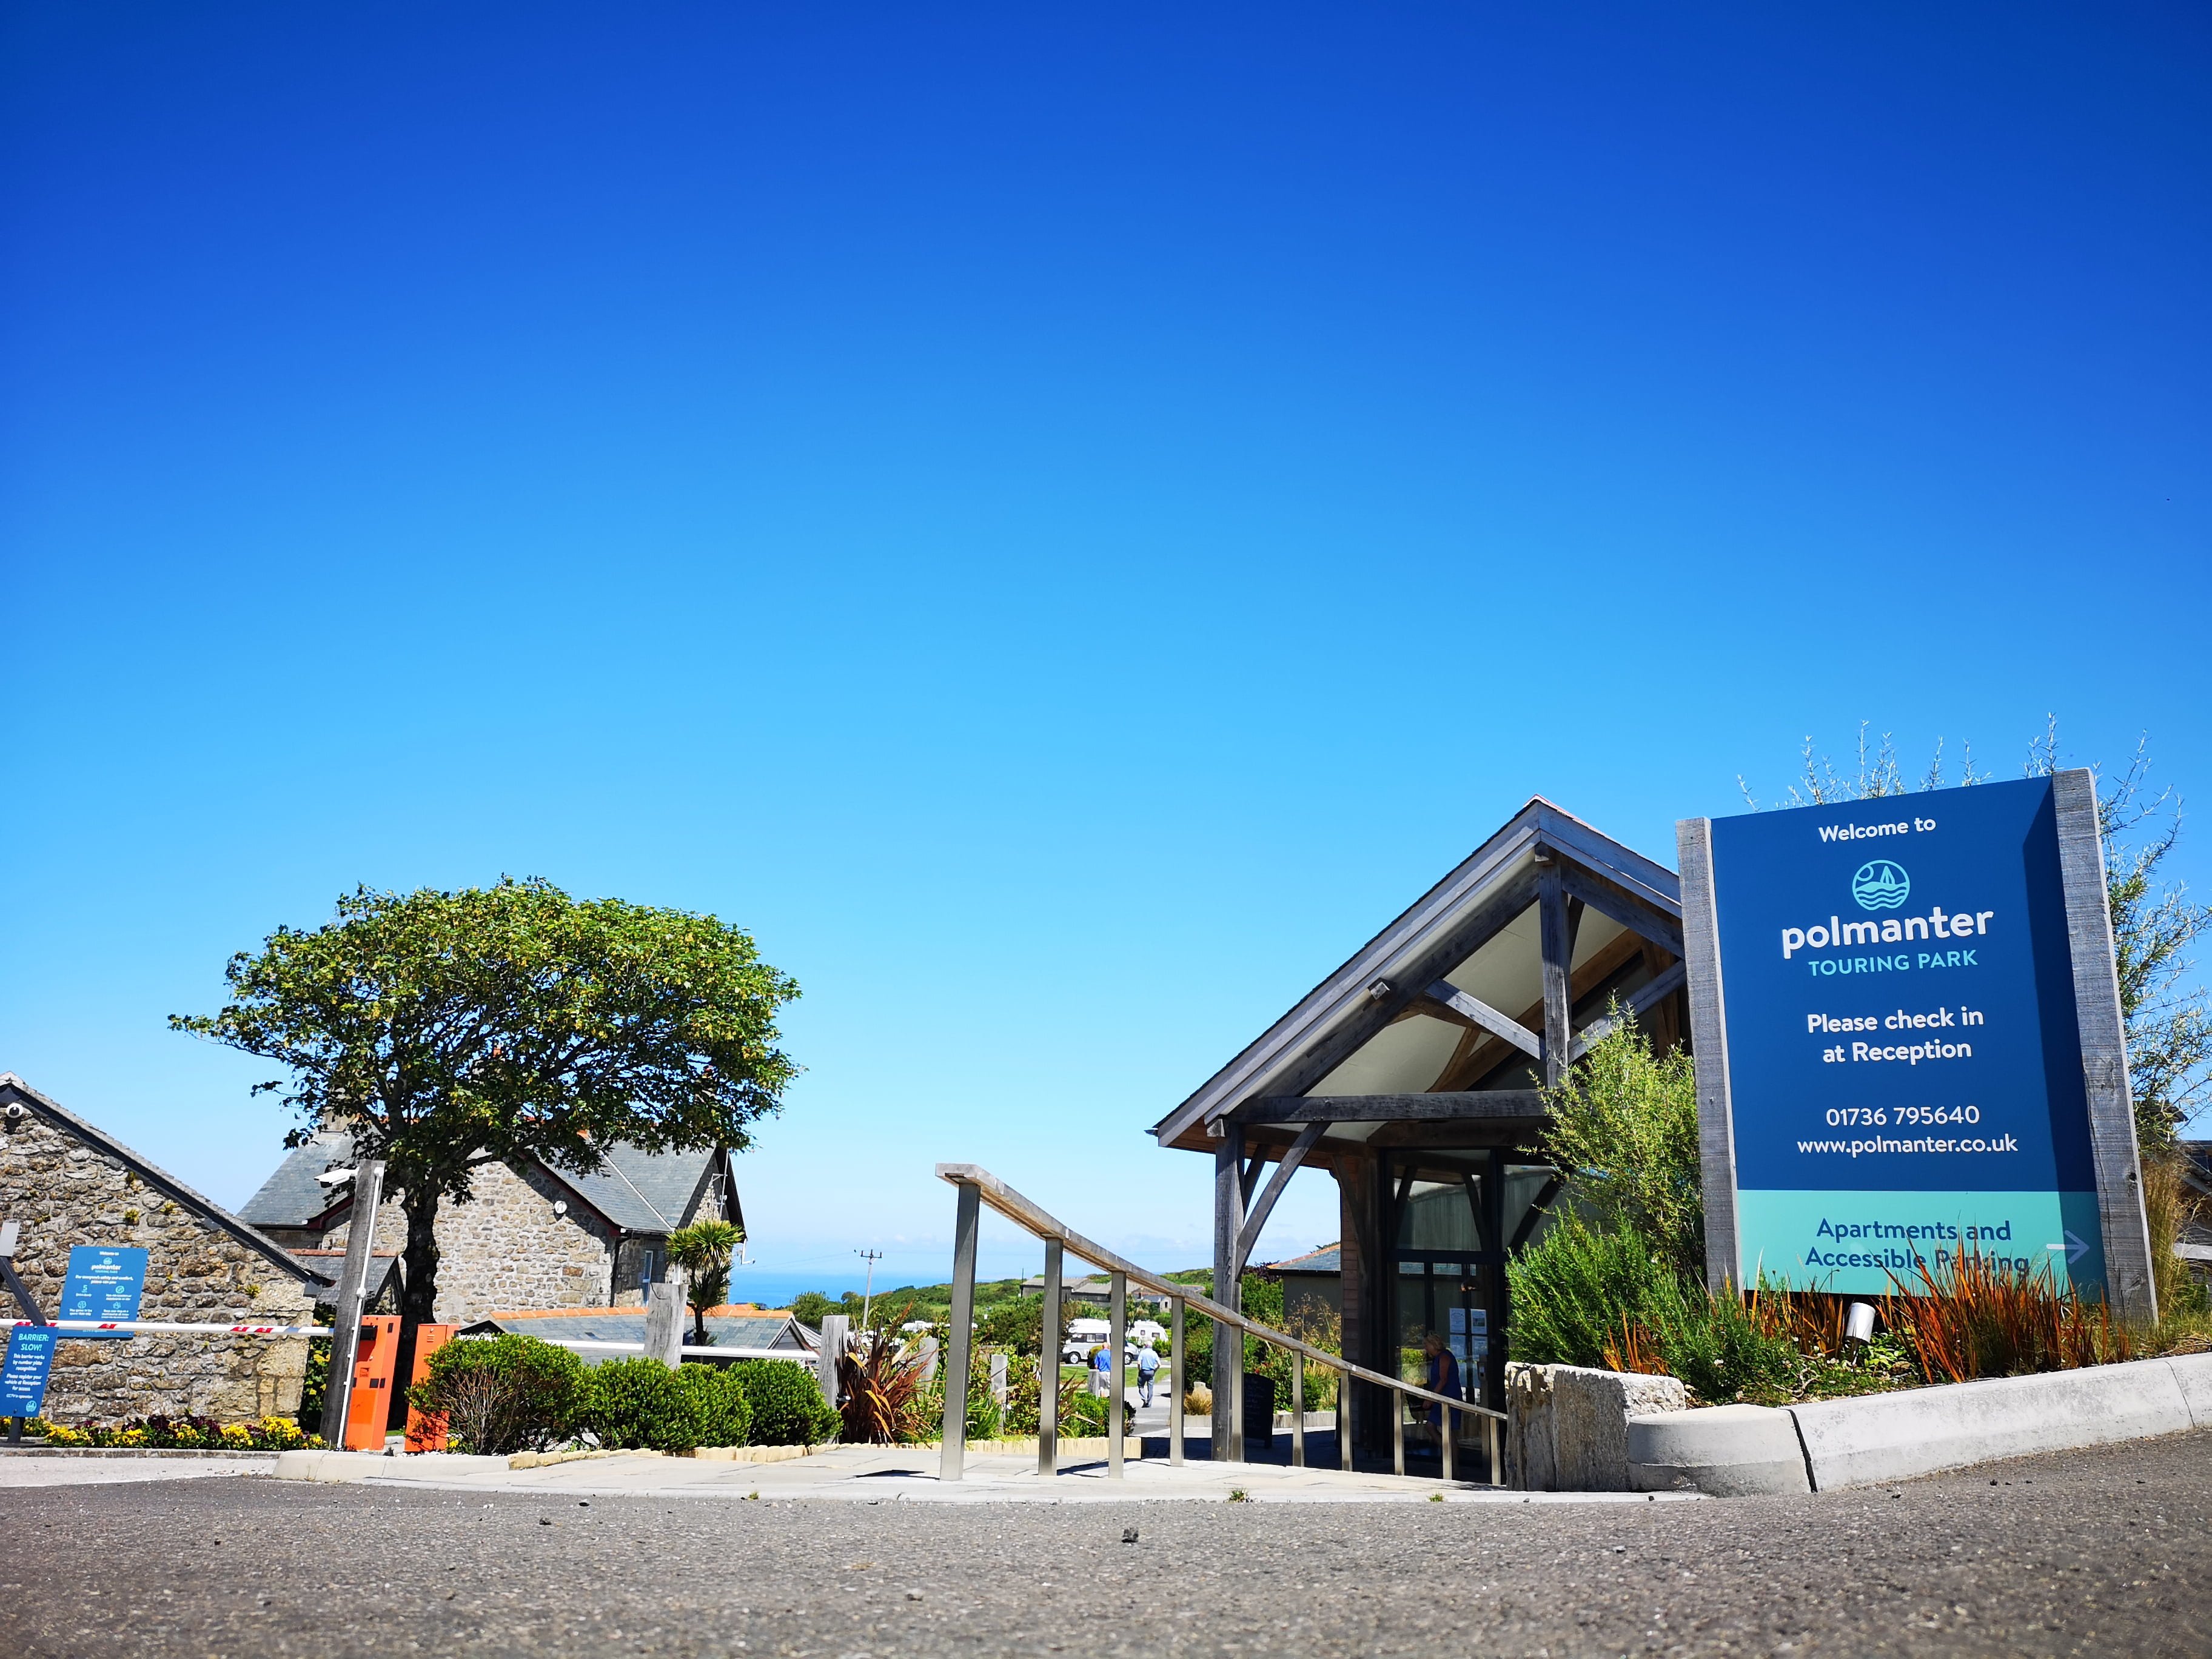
[105, 1282]
[23, 1373]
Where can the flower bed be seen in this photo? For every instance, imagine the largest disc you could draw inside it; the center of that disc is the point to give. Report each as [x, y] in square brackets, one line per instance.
[178, 1434]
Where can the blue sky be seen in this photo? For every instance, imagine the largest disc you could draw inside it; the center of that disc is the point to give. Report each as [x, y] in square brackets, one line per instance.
[1062, 526]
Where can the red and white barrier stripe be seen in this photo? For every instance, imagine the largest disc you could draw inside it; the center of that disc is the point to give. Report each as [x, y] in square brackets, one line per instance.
[157, 1326]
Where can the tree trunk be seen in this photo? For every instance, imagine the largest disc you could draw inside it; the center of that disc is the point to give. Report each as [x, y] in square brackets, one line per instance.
[418, 1290]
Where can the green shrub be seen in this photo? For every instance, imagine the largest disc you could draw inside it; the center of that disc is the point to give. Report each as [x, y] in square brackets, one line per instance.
[787, 1407]
[1726, 1349]
[505, 1393]
[1624, 1132]
[1573, 1287]
[718, 1396]
[631, 1404]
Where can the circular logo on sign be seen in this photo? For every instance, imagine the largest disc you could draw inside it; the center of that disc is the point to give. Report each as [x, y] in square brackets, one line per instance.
[1879, 884]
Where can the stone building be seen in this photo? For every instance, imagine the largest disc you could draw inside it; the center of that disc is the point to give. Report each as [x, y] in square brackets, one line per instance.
[67, 1183]
[531, 1237]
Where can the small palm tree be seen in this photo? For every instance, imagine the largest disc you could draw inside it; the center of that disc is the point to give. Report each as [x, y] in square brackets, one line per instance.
[703, 1251]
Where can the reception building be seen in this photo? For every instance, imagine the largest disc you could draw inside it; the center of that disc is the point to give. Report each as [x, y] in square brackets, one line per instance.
[1413, 1075]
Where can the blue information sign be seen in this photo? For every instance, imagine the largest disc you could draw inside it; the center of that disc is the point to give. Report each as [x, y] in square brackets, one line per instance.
[23, 1373]
[1896, 997]
[105, 1282]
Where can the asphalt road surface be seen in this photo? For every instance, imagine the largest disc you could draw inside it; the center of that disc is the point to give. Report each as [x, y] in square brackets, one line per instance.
[2107, 1553]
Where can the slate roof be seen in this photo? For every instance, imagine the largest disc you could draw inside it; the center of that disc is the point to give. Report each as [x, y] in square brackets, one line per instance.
[642, 1192]
[645, 1192]
[1329, 1259]
[729, 1330]
[292, 1197]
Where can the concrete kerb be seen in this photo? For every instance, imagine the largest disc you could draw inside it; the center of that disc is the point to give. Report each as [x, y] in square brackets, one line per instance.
[1736, 1451]
[880, 1474]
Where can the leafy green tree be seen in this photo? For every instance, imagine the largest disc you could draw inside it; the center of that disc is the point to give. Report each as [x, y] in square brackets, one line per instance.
[445, 1031]
[703, 1250]
[2167, 1012]
[812, 1307]
[1624, 1134]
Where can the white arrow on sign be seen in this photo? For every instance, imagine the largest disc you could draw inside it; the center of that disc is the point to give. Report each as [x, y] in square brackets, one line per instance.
[2074, 1247]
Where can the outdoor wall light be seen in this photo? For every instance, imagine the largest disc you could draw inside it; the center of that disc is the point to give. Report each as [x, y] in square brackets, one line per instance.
[335, 1177]
[559, 1207]
[1858, 1322]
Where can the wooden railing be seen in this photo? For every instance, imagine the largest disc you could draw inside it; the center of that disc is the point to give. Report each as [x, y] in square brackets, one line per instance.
[978, 1187]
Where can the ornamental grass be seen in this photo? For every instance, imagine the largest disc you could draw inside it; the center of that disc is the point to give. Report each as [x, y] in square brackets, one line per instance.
[1968, 1317]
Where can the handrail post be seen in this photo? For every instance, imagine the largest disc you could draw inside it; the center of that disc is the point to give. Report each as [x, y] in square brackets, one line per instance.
[960, 1338]
[1450, 1426]
[1049, 1366]
[1298, 1411]
[1117, 1375]
[1344, 1421]
[1496, 1462]
[1177, 1383]
[1397, 1431]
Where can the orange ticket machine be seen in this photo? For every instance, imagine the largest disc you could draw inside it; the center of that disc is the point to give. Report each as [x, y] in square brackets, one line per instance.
[369, 1406]
[426, 1432]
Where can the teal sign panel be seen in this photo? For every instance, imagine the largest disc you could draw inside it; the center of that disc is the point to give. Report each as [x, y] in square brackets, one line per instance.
[23, 1373]
[105, 1282]
[1903, 1051]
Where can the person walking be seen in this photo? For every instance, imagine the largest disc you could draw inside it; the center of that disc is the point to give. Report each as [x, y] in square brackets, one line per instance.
[1102, 1371]
[1148, 1367]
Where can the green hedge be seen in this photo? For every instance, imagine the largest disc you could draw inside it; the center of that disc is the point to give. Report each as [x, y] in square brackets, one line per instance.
[717, 1395]
[632, 1404]
[541, 1395]
[787, 1407]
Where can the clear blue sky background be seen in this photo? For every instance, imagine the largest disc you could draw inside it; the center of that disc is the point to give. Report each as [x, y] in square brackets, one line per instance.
[1060, 523]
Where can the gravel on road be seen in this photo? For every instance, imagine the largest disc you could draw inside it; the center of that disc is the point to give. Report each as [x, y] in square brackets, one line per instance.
[2106, 1551]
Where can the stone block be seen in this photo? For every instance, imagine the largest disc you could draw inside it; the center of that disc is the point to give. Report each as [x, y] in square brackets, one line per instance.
[1566, 1425]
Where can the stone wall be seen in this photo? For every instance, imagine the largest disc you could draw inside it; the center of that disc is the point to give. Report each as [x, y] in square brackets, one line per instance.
[507, 1248]
[64, 1193]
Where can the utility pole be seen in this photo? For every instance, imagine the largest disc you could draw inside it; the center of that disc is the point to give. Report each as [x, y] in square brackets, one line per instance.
[868, 1295]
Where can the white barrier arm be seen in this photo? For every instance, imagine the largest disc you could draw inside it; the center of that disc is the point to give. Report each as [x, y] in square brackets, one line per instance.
[157, 1326]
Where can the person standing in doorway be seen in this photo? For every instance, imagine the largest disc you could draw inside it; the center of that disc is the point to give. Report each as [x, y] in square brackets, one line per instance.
[1443, 1379]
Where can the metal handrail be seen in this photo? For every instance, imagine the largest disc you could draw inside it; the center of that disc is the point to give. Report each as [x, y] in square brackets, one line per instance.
[1036, 1220]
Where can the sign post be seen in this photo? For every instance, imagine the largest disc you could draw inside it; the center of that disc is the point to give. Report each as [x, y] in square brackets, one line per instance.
[353, 1296]
[1907, 1026]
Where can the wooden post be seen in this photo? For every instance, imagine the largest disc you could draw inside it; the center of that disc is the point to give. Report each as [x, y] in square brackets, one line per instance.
[353, 1296]
[1344, 1421]
[2131, 1287]
[1177, 1382]
[1228, 1343]
[664, 1324]
[1557, 947]
[1117, 1385]
[1049, 1366]
[960, 1336]
[836, 1337]
[1298, 1411]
